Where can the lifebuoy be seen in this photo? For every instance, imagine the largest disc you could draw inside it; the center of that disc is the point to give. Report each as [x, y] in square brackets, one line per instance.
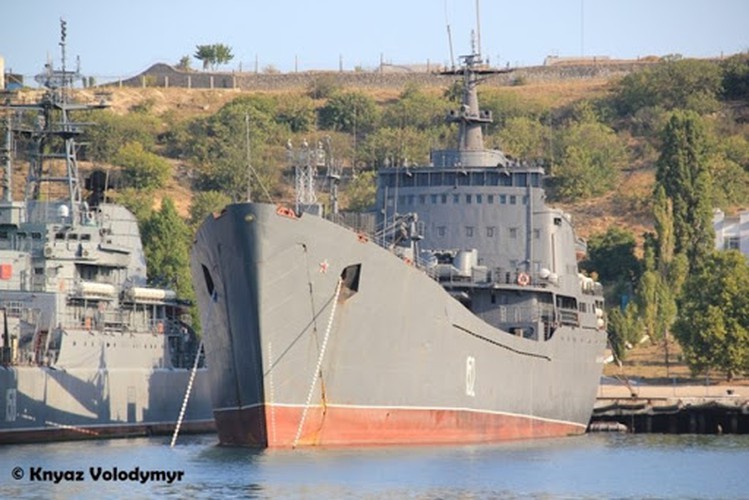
[523, 279]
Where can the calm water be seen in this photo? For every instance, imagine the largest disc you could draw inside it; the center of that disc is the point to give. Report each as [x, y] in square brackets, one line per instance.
[592, 466]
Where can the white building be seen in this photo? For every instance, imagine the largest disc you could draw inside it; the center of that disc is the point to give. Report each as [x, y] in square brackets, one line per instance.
[731, 231]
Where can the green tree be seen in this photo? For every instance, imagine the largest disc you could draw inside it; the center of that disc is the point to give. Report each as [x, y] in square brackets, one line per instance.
[624, 329]
[736, 77]
[323, 87]
[166, 244]
[223, 53]
[391, 146]
[206, 54]
[454, 92]
[682, 170]
[139, 202]
[216, 146]
[361, 191]
[184, 64]
[505, 105]
[141, 169]
[673, 84]
[352, 112]
[298, 112]
[204, 203]
[590, 157]
[103, 141]
[213, 55]
[415, 109]
[713, 321]
[524, 137]
[612, 256]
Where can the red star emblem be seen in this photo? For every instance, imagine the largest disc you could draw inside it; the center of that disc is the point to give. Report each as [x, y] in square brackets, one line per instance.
[324, 266]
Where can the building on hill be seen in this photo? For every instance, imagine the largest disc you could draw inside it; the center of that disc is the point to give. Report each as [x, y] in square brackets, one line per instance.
[731, 231]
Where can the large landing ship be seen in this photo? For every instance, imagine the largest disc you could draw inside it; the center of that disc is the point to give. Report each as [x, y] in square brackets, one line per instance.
[461, 319]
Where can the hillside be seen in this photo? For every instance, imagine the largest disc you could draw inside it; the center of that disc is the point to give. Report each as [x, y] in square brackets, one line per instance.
[558, 105]
[621, 207]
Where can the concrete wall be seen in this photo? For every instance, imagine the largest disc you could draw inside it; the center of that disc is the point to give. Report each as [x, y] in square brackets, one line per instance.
[163, 75]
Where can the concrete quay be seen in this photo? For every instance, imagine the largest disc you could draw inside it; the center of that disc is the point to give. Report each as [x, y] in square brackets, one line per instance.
[676, 408]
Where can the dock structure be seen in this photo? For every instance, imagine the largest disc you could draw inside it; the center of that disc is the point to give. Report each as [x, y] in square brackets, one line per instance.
[671, 409]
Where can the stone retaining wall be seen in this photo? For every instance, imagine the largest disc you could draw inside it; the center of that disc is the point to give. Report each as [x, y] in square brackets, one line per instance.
[163, 75]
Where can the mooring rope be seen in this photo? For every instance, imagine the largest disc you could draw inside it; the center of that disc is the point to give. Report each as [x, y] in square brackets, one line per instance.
[214, 298]
[187, 394]
[319, 364]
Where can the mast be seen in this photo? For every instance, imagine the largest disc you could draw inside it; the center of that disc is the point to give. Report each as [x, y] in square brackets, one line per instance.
[7, 152]
[51, 137]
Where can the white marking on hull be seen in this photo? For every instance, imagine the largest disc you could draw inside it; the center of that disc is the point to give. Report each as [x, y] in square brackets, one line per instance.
[415, 408]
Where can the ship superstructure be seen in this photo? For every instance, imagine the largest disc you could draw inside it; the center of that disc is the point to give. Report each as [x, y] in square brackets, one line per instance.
[463, 319]
[88, 348]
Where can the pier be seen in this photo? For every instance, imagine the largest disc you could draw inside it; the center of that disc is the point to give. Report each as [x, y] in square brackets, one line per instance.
[670, 409]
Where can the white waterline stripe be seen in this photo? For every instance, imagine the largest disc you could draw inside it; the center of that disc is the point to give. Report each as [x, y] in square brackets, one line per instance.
[414, 408]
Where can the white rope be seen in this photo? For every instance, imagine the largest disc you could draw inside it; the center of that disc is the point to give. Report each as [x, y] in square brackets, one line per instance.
[319, 364]
[187, 394]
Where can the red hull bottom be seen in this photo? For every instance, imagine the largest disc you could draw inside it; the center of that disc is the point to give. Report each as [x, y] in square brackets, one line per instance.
[278, 426]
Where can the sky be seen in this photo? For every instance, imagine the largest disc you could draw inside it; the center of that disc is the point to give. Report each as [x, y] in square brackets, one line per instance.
[123, 38]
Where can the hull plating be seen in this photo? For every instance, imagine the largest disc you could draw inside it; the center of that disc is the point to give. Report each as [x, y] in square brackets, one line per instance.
[395, 361]
[43, 404]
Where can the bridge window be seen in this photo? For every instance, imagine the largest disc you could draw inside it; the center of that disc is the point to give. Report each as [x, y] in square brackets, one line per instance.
[513, 199]
[477, 178]
[469, 231]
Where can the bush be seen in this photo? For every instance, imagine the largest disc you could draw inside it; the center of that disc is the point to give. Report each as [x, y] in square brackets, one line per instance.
[323, 87]
[675, 83]
[141, 169]
[590, 155]
[352, 112]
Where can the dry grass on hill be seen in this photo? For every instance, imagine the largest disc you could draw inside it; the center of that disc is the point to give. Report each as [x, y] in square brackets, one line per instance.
[646, 363]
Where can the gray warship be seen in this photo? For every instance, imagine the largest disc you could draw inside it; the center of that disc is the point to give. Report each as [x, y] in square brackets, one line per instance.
[89, 350]
[460, 318]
